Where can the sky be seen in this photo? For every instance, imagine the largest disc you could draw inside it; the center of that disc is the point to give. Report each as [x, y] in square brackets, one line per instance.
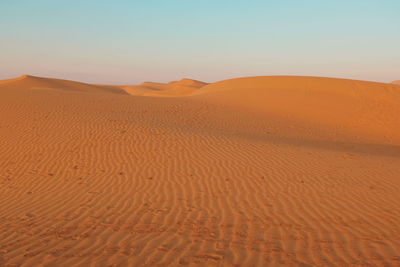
[131, 41]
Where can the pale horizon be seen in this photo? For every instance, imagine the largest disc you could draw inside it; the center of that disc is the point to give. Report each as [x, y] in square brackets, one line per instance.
[129, 43]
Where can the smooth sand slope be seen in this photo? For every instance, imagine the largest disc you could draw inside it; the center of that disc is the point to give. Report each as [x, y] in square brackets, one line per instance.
[37, 83]
[358, 109]
[262, 171]
[397, 82]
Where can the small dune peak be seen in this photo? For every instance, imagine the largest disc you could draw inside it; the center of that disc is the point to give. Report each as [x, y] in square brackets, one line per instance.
[396, 82]
[23, 78]
[189, 82]
[186, 80]
[26, 77]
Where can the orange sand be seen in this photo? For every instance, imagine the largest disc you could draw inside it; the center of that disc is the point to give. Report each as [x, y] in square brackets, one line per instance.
[183, 87]
[261, 171]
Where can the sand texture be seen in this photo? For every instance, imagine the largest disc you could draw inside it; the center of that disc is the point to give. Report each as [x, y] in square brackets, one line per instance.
[259, 171]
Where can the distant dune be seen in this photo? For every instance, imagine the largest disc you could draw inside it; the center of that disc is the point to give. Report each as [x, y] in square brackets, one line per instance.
[33, 82]
[397, 82]
[256, 171]
[172, 89]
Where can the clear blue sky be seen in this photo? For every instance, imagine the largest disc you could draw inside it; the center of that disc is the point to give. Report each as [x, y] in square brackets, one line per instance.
[130, 41]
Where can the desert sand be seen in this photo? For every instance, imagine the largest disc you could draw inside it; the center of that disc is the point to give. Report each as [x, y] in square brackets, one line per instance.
[396, 82]
[258, 171]
[183, 87]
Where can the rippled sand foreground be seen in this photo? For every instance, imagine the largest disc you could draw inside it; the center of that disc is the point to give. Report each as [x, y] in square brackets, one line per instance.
[261, 171]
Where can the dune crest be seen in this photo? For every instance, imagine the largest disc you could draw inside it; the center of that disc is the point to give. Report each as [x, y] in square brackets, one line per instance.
[39, 83]
[182, 87]
[189, 82]
[19, 78]
[396, 82]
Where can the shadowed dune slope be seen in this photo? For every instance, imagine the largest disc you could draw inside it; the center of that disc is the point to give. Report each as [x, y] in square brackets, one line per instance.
[39, 83]
[261, 171]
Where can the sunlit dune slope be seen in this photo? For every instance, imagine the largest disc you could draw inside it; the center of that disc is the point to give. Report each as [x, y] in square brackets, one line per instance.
[358, 108]
[396, 82]
[39, 83]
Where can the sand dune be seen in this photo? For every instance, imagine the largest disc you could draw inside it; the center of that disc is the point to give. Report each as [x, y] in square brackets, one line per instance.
[367, 110]
[38, 83]
[172, 89]
[260, 171]
[396, 82]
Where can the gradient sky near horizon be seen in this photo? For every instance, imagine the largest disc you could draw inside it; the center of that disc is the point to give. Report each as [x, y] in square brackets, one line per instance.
[123, 41]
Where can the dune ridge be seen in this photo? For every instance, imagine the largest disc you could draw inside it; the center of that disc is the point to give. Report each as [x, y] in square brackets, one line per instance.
[39, 83]
[182, 87]
[257, 171]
